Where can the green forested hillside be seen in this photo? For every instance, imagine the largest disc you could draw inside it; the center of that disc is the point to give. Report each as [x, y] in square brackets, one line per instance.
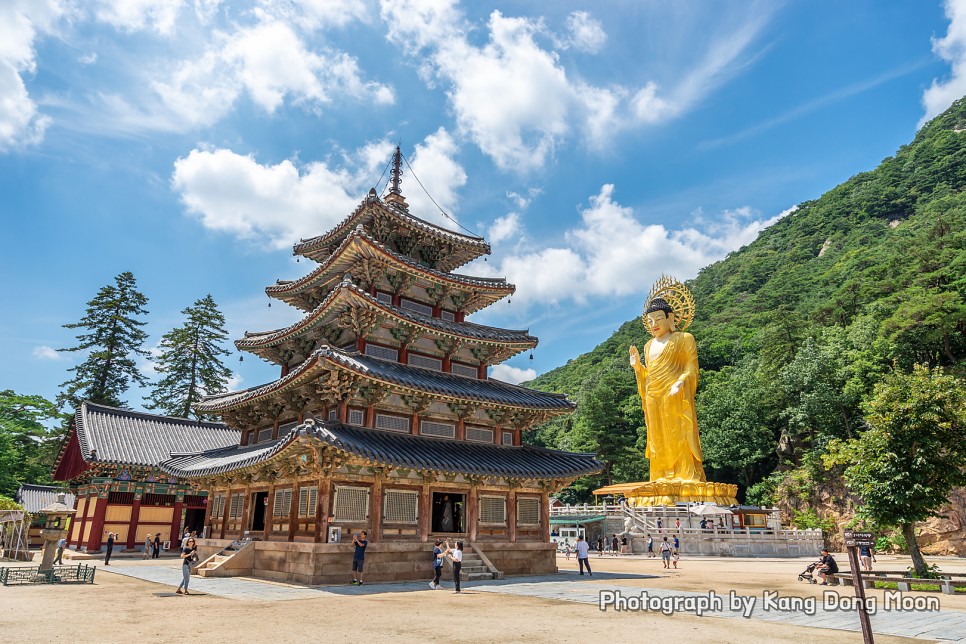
[796, 328]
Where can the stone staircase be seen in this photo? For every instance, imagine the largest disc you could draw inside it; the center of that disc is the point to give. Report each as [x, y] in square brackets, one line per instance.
[476, 567]
[221, 563]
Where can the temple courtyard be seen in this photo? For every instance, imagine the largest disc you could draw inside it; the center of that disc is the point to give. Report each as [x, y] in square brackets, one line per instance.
[134, 600]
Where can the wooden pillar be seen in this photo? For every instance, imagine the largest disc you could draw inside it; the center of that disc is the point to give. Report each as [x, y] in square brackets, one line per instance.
[209, 507]
[414, 429]
[425, 513]
[370, 416]
[481, 372]
[224, 513]
[461, 316]
[97, 523]
[511, 516]
[270, 511]
[544, 515]
[375, 507]
[396, 300]
[132, 526]
[460, 429]
[447, 364]
[285, 369]
[361, 345]
[293, 514]
[246, 503]
[322, 511]
[472, 513]
[437, 311]
[403, 355]
[517, 437]
[176, 523]
[343, 412]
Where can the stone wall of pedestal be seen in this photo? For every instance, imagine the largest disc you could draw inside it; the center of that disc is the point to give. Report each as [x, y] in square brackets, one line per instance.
[314, 564]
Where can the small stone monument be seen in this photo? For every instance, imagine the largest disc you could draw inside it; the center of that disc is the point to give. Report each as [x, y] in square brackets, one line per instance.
[57, 514]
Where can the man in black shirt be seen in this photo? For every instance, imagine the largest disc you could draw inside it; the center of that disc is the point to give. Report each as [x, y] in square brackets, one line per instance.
[359, 557]
[826, 566]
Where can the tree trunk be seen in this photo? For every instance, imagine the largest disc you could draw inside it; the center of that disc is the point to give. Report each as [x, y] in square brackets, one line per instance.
[912, 547]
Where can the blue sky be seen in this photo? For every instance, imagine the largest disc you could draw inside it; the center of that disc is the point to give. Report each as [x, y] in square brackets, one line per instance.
[596, 145]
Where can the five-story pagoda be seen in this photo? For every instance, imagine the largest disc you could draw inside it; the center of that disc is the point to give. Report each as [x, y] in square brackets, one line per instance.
[384, 418]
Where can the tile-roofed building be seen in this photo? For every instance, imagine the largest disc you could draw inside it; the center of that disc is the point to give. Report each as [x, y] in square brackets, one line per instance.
[383, 418]
[35, 498]
[111, 459]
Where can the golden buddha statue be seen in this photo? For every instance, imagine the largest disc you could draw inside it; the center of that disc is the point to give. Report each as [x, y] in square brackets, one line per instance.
[667, 379]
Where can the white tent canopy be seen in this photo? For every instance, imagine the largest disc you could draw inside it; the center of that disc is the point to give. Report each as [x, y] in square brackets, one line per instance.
[708, 509]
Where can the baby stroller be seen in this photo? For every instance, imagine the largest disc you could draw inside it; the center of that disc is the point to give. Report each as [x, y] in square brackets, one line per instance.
[806, 575]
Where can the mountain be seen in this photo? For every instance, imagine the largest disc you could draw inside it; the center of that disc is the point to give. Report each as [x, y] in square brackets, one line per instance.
[795, 329]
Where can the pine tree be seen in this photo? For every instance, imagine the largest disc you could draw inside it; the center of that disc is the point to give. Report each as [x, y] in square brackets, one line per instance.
[113, 338]
[190, 360]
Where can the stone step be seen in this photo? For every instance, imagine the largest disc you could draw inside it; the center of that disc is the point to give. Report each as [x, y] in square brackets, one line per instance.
[469, 570]
[476, 576]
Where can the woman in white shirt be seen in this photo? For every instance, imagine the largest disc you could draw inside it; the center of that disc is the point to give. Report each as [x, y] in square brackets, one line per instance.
[456, 556]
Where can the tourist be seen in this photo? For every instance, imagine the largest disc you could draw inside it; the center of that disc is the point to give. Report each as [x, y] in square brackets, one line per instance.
[674, 559]
[703, 524]
[147, 545]
[437, 564]
[582, 557]
[615, 547]
[666, 553]
[866, 557]
[659, 525]
[624, 544]
[110, 548]
[185, 536]
[677, 525]
[456, 556]
[157, 546]
[600, 547]
[60, 551]
[189, 554]
[359, 557]
[567, 552]
[677, 543]
[650, 546]
[826, 566]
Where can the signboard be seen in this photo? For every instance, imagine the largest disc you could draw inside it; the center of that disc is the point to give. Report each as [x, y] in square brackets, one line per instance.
[855, 539]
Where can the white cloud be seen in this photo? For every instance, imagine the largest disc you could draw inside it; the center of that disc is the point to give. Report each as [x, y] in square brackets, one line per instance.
[515, 99]
[613, 254]
[318, 14]
[586, 32]
[511, 375]
[137, 15]
[21, 23]
[435, 164]
[952, 49]
[271, 63]
[503, 228]
[235, 194]
[44, 352]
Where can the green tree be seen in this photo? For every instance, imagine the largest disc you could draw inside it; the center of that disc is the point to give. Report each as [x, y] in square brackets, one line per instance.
[191, 360]
[610, 426]
[913, 453]
[27, 447]
[736, 437]
[113, 339]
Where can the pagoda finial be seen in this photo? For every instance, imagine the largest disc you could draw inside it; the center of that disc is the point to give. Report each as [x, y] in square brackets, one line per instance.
[395, 178]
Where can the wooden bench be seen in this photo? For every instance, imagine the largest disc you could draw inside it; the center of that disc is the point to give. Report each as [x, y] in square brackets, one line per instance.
[946, 581]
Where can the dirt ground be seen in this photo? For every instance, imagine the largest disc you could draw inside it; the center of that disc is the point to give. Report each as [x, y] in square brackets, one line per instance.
[124, 609]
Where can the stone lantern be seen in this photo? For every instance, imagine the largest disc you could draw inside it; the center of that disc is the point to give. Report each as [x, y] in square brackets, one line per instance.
[57, 513]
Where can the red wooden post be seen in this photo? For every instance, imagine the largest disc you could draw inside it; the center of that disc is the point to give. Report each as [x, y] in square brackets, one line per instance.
[425, 513]
[132, 527]
[511, 516]
[460, 429]
[375, 508]
[481, 372]
[414, 429]
[176, 523]
[472, 513]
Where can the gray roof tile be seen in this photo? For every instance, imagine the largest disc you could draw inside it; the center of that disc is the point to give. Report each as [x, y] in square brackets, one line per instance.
[400, 450]
[111, 435]
[34, 498]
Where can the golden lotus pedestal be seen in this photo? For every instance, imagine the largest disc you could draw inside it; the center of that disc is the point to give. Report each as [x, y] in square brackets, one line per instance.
[667, 492]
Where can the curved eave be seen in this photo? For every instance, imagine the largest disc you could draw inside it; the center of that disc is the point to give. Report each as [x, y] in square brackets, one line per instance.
[374, 447]
[314, 247]
[443, 386]
[257, 343]
[360, 242]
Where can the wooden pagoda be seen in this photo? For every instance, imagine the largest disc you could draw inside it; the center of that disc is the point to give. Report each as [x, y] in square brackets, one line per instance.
[384, 418]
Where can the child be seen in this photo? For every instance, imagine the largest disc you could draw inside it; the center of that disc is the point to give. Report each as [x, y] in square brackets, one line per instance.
[567, 552]
[674, 558]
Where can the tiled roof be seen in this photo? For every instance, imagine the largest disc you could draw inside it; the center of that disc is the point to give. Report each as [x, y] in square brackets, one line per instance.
[34, 498]
[399, 450]
[362, 241]
[472, 246]
[348, 289]
[111, 435]
[406, 376]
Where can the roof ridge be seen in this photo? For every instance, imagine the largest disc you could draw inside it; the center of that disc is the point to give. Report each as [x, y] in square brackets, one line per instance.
[142, 414]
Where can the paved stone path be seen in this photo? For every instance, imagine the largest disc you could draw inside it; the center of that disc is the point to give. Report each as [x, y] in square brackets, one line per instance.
[945, 625]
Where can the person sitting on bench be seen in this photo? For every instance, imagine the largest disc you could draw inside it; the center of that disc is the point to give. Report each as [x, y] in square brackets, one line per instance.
[826, 566]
